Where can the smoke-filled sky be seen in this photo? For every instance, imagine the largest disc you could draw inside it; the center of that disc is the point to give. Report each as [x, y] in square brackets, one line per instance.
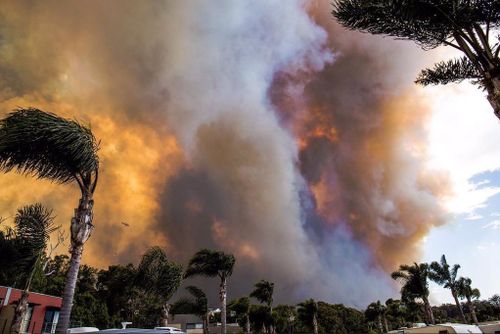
[258, 127]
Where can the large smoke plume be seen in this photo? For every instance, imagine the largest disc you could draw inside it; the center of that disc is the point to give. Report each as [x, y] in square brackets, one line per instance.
[260, 128]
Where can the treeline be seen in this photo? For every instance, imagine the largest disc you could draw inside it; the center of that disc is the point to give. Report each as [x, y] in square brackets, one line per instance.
[141, 294]
[106, 297]
[414, 305]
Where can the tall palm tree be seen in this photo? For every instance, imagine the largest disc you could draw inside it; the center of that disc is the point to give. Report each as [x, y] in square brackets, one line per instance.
[465, 25]
[50, 147]
[415, 285]
[263, 292]
[308, 313]
[466, 291]
[210, 263]
[442, 274]
[241, 307]
[33, 226]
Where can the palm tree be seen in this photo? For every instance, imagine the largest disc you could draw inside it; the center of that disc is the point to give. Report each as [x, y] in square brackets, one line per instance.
[241, 307]
[443, 275]
[50, 147]
[466, 291]
[33, 226]
[465, 25]
[197, 305]
[158, 276]
[263, 292]
[211, 263]
[415, 285]
[376, 311]
[308, 313]
[495, 300]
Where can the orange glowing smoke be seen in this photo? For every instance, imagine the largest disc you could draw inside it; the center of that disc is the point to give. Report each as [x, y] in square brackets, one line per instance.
[189, 132]
[236, 245]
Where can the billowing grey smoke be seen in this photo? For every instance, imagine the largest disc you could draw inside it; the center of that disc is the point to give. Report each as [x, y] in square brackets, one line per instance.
[233, 125]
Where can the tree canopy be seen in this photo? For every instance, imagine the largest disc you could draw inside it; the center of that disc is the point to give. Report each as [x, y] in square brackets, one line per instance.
[48, 146]
[465, 25]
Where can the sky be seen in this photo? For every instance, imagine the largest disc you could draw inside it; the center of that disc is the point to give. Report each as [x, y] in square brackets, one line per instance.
[304, 149]
[462, 140]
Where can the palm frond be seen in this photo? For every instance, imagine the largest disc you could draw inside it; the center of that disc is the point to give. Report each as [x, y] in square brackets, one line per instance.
[200, 299]
[196, 292]
[465, 289]
[47, 146]
[263, 292]
[34, 224]
[410, 20]
[454, 272]
[210, 263]
[454, 70]
[240, 306]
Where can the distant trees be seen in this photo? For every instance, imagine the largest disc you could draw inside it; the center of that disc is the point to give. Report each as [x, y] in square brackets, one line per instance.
[442, 274]
[465, 290]
[284, 317]
[376, 312]
[196, 304]
[308, 313]
[241, 307]
[210, 263]
[263, 292]
[414, 280]
[104, 298]
[47, 146]
[33, 225]
[495, 300]
[465, 25]
[157, 276]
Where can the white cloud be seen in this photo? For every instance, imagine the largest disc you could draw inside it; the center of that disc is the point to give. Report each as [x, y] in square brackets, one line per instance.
[494, 225]
[486, 246]
[463, 138]
[473, 216]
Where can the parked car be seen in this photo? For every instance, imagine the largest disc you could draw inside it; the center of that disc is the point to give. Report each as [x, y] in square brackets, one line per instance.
[156, 330]
[170, 329]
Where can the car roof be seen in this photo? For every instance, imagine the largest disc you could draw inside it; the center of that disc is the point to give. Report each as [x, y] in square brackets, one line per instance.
[139, 331]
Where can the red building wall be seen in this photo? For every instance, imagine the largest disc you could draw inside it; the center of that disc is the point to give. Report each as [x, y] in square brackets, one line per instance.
[40, 302]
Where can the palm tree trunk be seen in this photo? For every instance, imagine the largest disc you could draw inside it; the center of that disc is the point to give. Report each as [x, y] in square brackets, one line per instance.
[271, 325]
[472, 311]
[247, 324]
[459, 306]
[223, 295]
[81, 228]
[20, 311]
[165, 313]
[69, 291]
[493, 89]
[206, 322]
[315, 324]
[379, 322]
[386, 326]
[428, 309]
[22, 304]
